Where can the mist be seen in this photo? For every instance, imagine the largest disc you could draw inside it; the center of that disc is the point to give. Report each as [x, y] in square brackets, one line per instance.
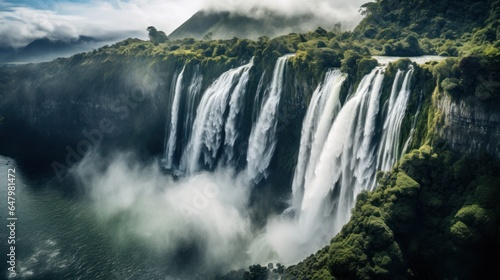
[325, 13]
[104, 20]
[206, 212]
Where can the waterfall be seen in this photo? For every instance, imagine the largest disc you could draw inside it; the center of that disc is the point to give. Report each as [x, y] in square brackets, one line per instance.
[172, 138]
[413, 125]
[306, 139]
[206, 136]
[323, 108]
[338, 158]
[262, 141]
[341, 145]
[257, 99]
[389, 151]
[235, 105]
[344, 165]
[191, 101]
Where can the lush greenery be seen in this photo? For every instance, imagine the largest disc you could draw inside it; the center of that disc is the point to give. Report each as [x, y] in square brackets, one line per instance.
[155, 36]
[446, 28]
[257, 272]
[435, 215]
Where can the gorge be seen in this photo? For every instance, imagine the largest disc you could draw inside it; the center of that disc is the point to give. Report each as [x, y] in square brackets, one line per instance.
[203, 158]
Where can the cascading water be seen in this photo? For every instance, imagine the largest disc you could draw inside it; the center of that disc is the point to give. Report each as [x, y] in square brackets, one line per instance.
[344, 165]
[338, 158]
[389, 151]
[262, 141]
[413, 125]
[206, 134]
[257, 98]
[172, 138]
[235, 105]
[324, 107]
[194, 90]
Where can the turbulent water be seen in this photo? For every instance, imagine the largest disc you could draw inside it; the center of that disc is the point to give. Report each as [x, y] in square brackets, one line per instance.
[323, 108]
[172, 136]
[205, 215]
[206, 136]
[262, 141]
[345, 162]
[342, 146]
[389, 151]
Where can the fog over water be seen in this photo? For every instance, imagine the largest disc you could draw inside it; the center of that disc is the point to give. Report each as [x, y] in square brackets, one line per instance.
[206, 210]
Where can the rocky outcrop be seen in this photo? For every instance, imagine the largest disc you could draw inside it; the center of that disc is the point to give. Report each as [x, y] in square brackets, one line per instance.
[469, 125]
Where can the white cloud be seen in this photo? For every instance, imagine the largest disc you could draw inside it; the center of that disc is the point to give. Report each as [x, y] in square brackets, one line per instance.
[64, 20]
[20, 25]
[327, 11]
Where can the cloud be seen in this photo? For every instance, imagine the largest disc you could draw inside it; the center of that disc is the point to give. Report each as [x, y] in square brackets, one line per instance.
[325, 11]
[21, 24]
[118, 19]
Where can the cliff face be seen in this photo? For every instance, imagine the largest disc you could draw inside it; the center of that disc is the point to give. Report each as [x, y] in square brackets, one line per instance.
[127, 103]
[70, 106]
[49, 107]
[469, 126]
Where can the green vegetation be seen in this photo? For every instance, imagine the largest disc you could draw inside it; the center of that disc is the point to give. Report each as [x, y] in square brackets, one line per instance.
[470, 75]
[256, 272]
[447, 28]
[435, 215]
[226, 25]
[156, 37]
[468, 29]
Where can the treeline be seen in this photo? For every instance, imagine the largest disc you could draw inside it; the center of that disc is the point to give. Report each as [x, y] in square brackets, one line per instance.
[441, 27]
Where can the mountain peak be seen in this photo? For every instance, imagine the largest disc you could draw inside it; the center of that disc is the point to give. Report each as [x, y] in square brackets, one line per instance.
[226, 25]
[44, 49]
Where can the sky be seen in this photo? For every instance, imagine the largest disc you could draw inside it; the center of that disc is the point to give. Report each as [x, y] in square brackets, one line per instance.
[22, 21]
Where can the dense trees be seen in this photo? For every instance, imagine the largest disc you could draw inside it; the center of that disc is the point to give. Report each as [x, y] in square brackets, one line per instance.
[156, 37]
[426, 17]
[442, 27]
[434, 216]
